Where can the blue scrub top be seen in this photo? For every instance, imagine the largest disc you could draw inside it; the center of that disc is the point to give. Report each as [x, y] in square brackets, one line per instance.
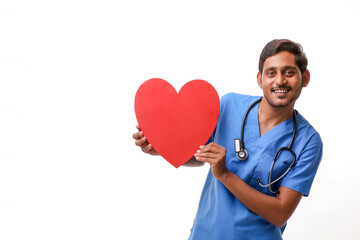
[220, 214]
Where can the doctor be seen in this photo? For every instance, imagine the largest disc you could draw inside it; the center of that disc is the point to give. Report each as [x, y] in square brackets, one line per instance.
[233, 204]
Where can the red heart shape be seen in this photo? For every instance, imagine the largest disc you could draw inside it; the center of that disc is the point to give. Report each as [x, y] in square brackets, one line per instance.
[177, 124]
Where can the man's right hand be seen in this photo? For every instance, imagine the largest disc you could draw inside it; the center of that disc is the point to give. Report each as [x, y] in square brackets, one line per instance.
[142, 142]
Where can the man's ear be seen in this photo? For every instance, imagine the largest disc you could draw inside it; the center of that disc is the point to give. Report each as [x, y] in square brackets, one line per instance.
[259, 80]
[306, 78]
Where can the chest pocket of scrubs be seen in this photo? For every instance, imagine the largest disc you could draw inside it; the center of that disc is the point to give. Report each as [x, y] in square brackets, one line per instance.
[281, 165]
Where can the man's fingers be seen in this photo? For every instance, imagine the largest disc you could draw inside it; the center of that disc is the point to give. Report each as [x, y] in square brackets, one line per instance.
[138, 135]
[140, 142]
[147, 148]
[206, 154]
[206, 157]
[210, 149]
[210, 153]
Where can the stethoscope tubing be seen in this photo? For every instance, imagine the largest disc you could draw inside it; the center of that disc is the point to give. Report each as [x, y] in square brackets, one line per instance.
[272, 166]
[242, 154]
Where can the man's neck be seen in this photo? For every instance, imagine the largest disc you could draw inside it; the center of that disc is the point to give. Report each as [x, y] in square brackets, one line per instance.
[270, 117]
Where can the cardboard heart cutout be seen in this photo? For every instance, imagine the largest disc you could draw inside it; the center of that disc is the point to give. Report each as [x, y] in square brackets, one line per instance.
[177, 124]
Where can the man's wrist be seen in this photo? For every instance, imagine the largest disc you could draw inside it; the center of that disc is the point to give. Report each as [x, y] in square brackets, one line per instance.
[224, 177]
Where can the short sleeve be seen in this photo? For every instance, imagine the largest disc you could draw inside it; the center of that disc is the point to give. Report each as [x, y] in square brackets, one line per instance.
[223, 101]
[301, 176]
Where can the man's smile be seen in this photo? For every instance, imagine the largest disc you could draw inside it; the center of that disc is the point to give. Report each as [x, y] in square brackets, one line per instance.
[280, 90]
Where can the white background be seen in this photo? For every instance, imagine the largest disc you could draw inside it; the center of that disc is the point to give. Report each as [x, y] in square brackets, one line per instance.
[69, 71]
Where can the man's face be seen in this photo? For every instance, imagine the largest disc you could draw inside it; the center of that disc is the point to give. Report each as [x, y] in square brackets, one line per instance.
[281, 80]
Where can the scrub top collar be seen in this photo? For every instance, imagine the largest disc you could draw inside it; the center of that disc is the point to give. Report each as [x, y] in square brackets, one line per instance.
[270, 138]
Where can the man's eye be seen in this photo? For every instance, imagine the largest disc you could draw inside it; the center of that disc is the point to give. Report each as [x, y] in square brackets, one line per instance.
[289, 73]
[270, 73]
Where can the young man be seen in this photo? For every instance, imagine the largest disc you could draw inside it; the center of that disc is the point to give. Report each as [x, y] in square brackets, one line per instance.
[237, 201]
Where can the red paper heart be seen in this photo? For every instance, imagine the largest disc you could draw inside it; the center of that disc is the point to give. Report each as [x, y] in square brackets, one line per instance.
[177, 124]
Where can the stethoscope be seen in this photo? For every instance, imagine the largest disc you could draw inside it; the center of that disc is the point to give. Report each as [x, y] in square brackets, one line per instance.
[242, 154]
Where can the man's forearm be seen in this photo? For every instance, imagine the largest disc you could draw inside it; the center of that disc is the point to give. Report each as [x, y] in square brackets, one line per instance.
[276, 210]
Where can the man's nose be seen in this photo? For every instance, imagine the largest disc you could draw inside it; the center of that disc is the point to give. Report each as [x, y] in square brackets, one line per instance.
[280, 79]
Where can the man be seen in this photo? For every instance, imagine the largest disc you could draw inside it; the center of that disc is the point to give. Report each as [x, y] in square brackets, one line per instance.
[236, 202]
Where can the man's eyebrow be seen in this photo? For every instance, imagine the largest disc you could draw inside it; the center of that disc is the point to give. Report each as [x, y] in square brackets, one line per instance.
[283, 67]
[287, 67]
[269, 68]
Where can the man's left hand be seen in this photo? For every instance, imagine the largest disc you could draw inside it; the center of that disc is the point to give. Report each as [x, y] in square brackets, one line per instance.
[215, 155]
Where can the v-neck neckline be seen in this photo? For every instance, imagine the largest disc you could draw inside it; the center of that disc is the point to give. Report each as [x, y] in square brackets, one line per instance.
[255, 127]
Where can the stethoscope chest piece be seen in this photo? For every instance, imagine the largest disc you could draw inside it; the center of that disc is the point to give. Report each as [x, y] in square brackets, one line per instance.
[241, 153]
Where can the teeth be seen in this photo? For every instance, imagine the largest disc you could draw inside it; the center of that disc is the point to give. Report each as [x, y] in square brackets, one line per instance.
[280, 91]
